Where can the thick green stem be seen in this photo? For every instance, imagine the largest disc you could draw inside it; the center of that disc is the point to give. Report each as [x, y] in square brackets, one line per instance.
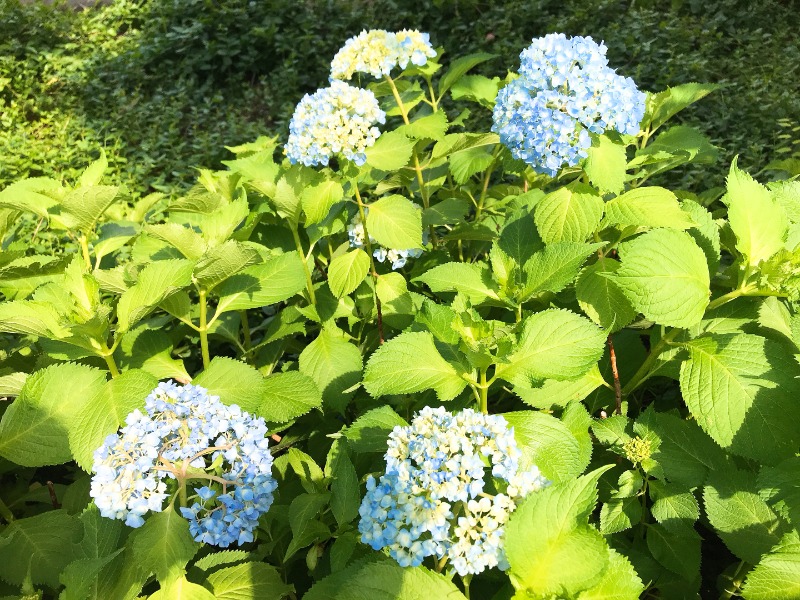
[203, 329]
[84, 241]
[112, 365]
[309, 283]
[724, 299]
[248, 343]
[5, 512]
[466, 579]
[487, 176]
[736, 583]
[182, 496]
[484, 393]
[363, 215]
[644, 371]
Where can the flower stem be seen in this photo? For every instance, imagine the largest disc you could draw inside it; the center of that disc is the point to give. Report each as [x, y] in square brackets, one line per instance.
[84, 241]
[466, 580]
[112, 365]
[248, 343]
[309, 283]
[363, 214]
[644, 371]
[203, 329]
[484, 393]
[5, 512]
[615, 373]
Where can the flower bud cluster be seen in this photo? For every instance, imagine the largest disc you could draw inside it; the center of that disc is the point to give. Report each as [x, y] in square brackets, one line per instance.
[185, 434]
[339, 119]
[377, 52]
[398, 258]
[565, 91]
[451, 483]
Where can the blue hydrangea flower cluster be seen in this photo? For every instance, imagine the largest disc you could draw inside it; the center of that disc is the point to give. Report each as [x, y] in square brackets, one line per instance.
[451, 483]
[339, 119]
[565, 91]
[398, 258]
[377, 52]
[185, 434]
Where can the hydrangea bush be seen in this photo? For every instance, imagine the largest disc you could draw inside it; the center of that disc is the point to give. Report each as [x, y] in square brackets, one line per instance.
[392, 357]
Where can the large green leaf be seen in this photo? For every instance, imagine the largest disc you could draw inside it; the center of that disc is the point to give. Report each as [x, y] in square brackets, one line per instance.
[286, 396]
[459, 67]
[665, 276]
[468, 278]
[346, 272]
[676, 547]
[345, 492]
[554, 344]
[369, 432]
[84, 206]
[223, 261]
[234, 382]
[758, 221]
[662, 106]
[28, 317]
[156, 282]
[741, 389]
[35, 428]
[334, 364]
[41, 545]
[555, 267]
[317, 200]
[164, 545]
[549, 544]
[395, 222]
[647, 207]
[777, 575]
[601, 298]
[248, 581]
[411, 363]
[390, 152]
[568, 215]
[276, 280]
[185, 239]
[619, 581]
[106, 412]
[740, 517]
[605, 165]
[547, 443]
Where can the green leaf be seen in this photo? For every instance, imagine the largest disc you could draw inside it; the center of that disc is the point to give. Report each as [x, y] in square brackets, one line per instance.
[84, 206]
[447, 212]
[777, 575]
[35, 429]
[601, 298]
[276, 280]
[549, 545]
[705, 232]
[478, 88]
[555, 344]
[223, 261]
[665, 276]
[305, 508]
[180, 588]
[619, 581]
[555, 267]
[368, 432]
[470, 279]
[391, 151]
[317, 200]
[234, 382]
[740, 517]
[156, 282]
[547, 443]
[647, 207]
[11, 384]
[151, 351]
[756, 218]
[28, 317]
[460, 67]
[780, 486]
[42, 546]
[286, 396]
[311, 476]
[345, 493]
[395, 222]
[411, 363]
[671, 505]
[671, 101]
[384, 579]
[619, 514]
[346, 272]
[677, 548]
[164, 545]
[682, 145]
[466, 163]
[557, 393]
[429, 127]
[26, 195]
[94, 172]
[519, 238]
[334, 364]
[185, 239]
[568, 215]
[106, 412]
[741, 390]
[605, 165]
[248, 581]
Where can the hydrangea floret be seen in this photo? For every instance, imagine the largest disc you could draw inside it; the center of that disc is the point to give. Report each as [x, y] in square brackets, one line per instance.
[183, 435]
[339, 119]
[377, 52]
[397, 258]
[451, 483]
[565, 92]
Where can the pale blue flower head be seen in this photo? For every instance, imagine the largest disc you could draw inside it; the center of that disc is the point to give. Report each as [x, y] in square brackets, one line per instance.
[337, 120]
[450, 484]
[565, 92]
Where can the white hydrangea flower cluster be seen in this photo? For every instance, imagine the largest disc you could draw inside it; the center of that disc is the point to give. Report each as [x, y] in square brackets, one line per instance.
[185, 434]
[339, 119]
[377, 52]
[398, 258]
[451, 483]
